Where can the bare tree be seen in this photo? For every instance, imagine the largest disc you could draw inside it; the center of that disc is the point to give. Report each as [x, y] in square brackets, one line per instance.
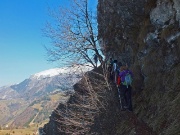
[74, 35]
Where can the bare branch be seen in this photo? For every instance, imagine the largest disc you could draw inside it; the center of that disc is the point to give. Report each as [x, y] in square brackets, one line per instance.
[74, 35]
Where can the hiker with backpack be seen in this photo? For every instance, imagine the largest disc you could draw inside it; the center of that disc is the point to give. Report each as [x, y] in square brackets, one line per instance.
[124, 88]
[118, 78]
[109, 68]
[114, 71]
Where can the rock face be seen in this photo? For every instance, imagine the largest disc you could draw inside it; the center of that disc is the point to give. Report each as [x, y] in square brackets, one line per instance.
[146, 35]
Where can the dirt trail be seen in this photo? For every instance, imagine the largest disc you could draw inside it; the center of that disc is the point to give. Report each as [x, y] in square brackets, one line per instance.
[140, 127]
[131, 123]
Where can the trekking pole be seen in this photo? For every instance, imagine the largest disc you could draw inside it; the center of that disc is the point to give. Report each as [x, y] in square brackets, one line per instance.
[119, 98]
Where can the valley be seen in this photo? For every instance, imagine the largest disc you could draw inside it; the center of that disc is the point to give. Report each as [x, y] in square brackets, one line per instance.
[17, 113]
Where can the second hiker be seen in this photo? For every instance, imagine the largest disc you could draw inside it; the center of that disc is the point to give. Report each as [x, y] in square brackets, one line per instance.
[125, 88]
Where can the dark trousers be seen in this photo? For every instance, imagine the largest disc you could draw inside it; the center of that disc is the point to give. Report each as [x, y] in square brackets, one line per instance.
[110, 74]
[125, 97]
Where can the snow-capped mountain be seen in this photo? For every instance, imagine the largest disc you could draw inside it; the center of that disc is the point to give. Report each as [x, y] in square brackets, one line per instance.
[60, 71]
[44, 82]
[37, 95]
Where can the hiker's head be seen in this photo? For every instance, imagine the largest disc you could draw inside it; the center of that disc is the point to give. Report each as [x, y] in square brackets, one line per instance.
[123, 68]
[115, 61]
[119, 64]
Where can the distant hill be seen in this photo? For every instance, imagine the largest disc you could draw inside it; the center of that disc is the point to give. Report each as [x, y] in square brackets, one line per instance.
[32, 100]
[39, 110]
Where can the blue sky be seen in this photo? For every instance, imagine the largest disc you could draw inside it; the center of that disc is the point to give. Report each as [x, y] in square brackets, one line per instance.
[21, 38]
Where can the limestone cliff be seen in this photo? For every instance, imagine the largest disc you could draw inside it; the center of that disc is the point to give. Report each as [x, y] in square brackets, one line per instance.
[146, 35]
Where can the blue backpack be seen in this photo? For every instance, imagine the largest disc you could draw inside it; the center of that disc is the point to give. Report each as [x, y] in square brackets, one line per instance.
[128, 79]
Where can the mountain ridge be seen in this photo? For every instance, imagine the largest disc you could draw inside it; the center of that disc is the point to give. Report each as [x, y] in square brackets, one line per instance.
[45, 80]
[41, 90]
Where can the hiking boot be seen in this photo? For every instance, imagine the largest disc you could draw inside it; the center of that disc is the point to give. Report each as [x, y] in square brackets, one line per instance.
[122, 108]
[125, 107]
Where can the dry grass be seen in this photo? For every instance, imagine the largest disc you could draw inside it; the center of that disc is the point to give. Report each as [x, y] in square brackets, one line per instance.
[57, 96]
[28, 131]
[37, 106]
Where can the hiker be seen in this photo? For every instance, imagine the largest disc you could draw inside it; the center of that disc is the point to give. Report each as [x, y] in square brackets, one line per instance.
[109, 68]
[114, 71]
[95, 59]
[125, 88]
[118, 78]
